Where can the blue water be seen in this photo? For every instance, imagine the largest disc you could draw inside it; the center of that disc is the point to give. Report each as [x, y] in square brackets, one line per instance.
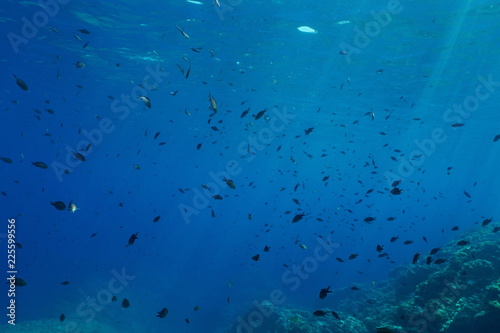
[378, 107]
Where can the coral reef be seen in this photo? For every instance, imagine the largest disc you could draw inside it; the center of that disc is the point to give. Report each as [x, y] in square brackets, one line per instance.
[460, 296]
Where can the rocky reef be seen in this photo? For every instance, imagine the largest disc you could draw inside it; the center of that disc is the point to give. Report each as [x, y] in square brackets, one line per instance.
[460, 294]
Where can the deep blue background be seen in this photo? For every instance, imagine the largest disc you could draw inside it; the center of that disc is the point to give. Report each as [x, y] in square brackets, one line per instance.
[427, 59]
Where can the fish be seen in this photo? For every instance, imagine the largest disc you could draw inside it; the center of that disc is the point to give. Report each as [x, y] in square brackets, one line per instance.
[440, 261]
[18, 282]
[162, 313]
[455, 228]
[217, 197]
[496, 138]
[380, 248]
[59, 205]
[72, 207]
[79, 156]
[393, 239]
[183, 33]
[65, 283]
[339, 259]
[324, 292]
[435, 250]
[396, 191]
[84, 31]
[156, 135]
[335, 315]
[114, 298]
[62, 317]
[309, 130]
[354, 288]
[229, 183]
[156, 219]
[353, 256]
[21, 83]
[486, 222]
[467, 194]
[132, 239]
[408, 242]
[256, 258]
[416, 257]
[6, 160]
[260, 114]
[463, 242]
[457, 125]
[196, 308]
[320, 313]
[146, 101]
[298, 217]
[79, 64]
[213, 103]
[428, 260]
[369, 219]
[244, 113]
[266, 248]
[125, 303]
[40, 165]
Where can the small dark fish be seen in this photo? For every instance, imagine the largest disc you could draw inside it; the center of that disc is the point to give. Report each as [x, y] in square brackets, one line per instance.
[486, 222]
[79, 64]
[256, 258]
[260, 114]
[198, 146]
[298, 217]
[244, 113]
[156, 135]
[163, 313]
[309, 130]
[324, 292]
[354, 288]
[197, 308]
[84, 31]
[187, 73]
[429, 260]
[93, 235]
[320, 313]
[416, 257]
[380, 248]
[496, 229]
[21, 83]
[496, 138]
[455, 228]
[186, 320]
[114, 298]
[6, 160]
[229, 183]
[440, 261]
[266, 248]
[156, 219]
[65, 283]
[396, 191]
[62, 317]
[395, 183]
[18, 245]
[467, 194]
[125, 303]
[435, 250]
[18, 282]
[85, 45]
[424, 238]
[340, 259]
[457, 125]
[463, 242]
[353, 256]
[40, 165]
[369, 219]
[79, 157]
[408, 242]
[59, 205]
[217, 197]
[393, 239]
[132, 239]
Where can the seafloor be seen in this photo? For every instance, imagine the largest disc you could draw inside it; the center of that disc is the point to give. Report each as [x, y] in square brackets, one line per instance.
[461, 295]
